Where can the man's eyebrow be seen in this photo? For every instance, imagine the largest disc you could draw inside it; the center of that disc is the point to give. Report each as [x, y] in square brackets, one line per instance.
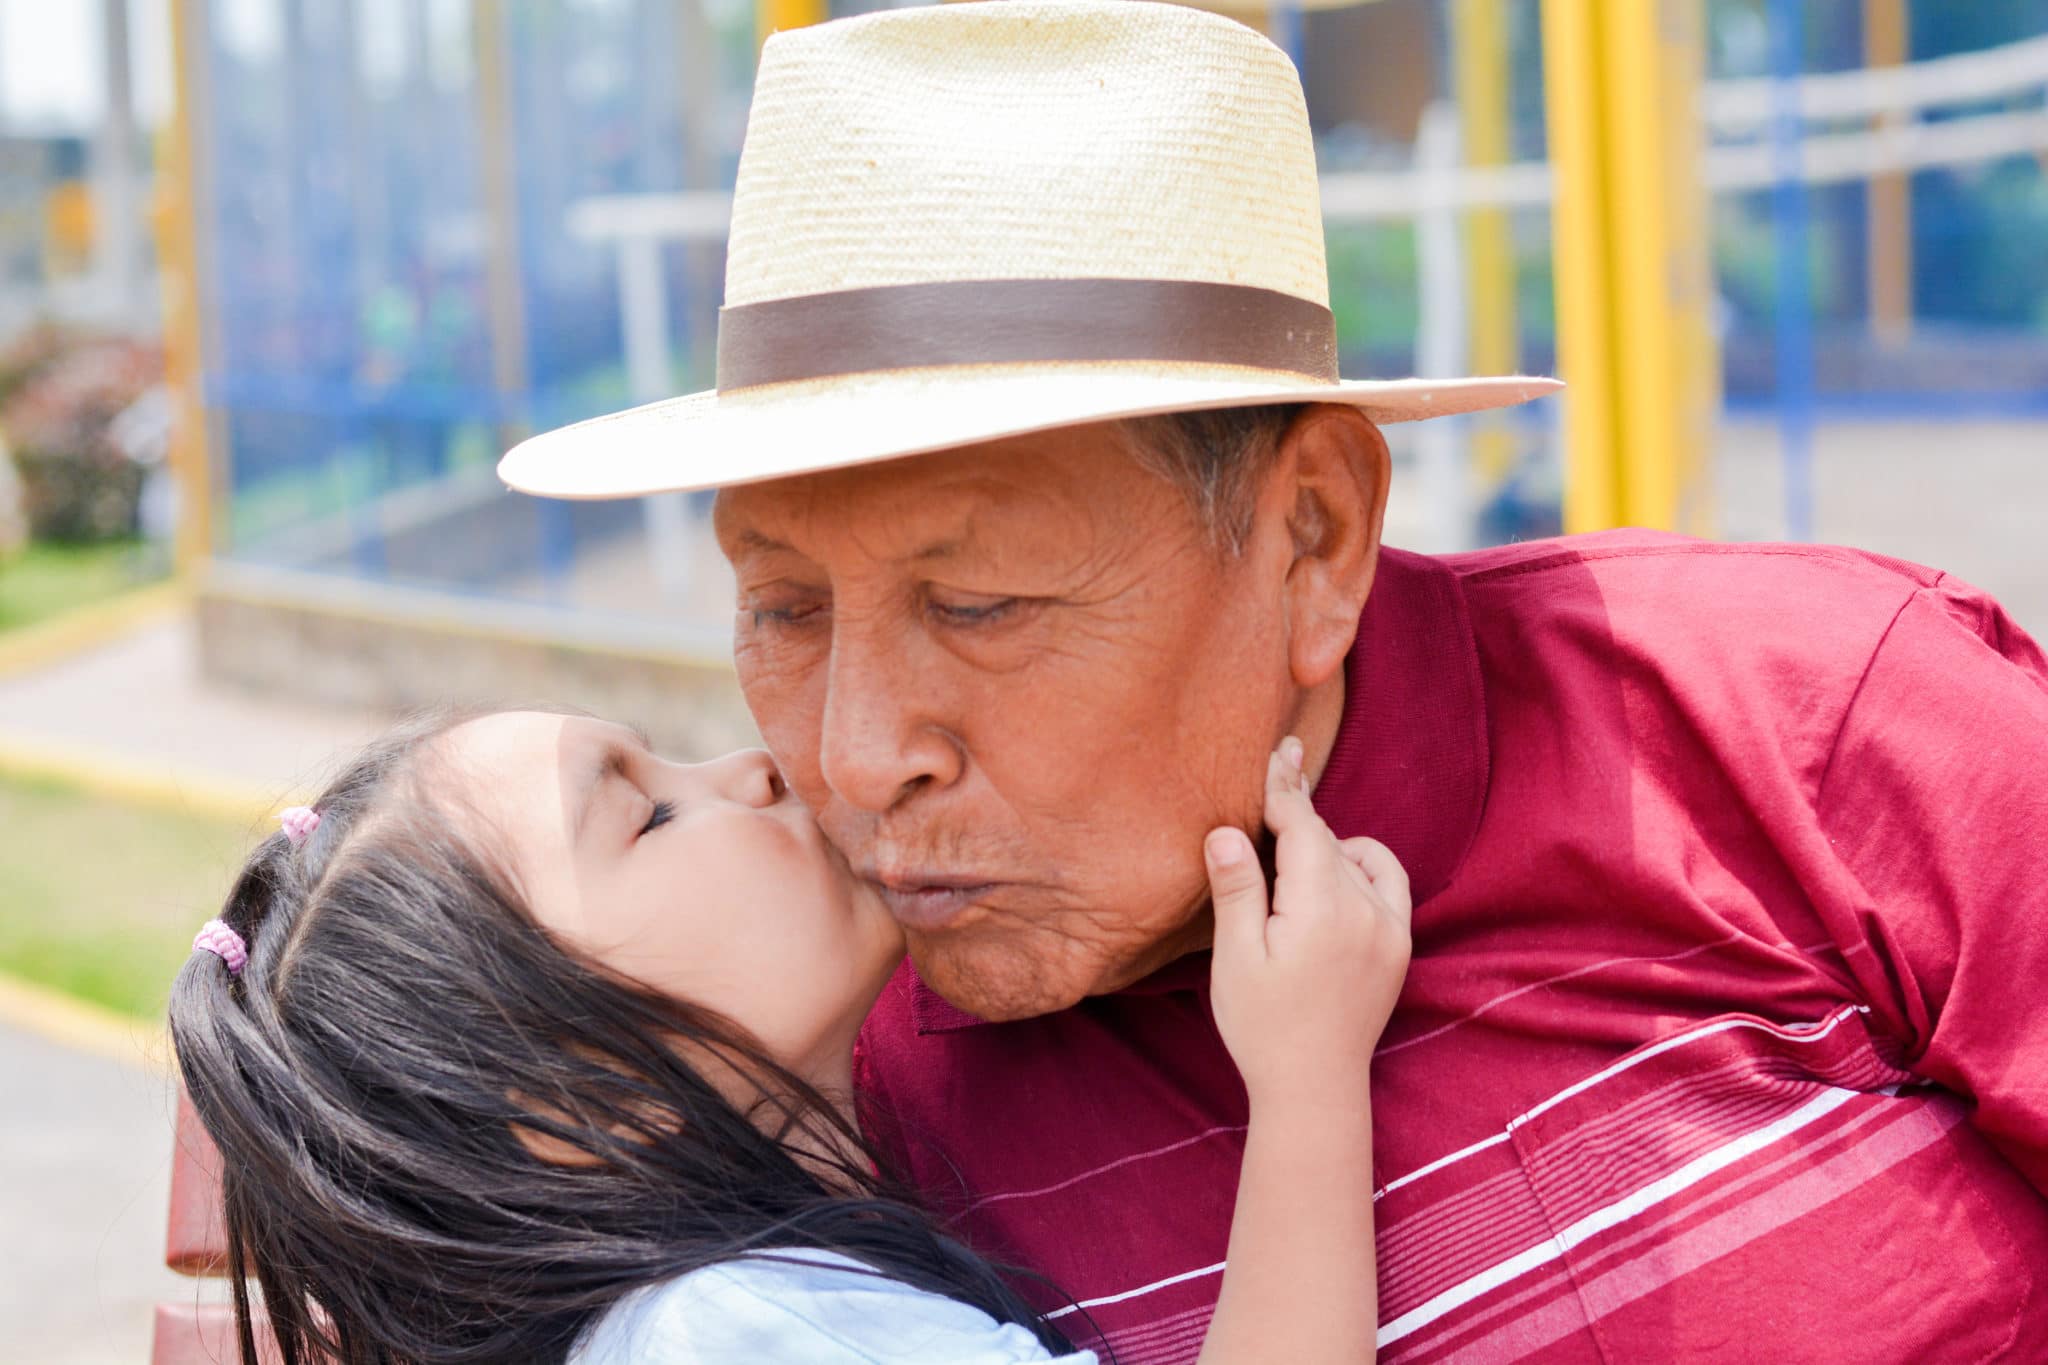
[754, 540]
[941, 549]
[758, 543]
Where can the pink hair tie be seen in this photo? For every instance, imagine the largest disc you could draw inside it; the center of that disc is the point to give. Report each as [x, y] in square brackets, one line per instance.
[216, 938]
[299, 822]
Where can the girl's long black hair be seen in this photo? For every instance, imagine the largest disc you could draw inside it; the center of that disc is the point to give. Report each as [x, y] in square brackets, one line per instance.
[445, 1138]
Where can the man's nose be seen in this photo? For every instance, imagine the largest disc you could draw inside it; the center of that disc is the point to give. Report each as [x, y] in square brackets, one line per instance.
[748, 777]
[880, 742]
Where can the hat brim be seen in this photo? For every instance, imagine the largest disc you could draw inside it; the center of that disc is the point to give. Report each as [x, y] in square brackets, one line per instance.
[776, 431]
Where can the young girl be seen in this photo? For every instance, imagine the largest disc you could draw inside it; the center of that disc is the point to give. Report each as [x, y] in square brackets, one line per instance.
[523, 1044]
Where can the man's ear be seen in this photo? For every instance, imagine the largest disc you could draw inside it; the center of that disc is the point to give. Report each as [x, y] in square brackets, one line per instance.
[1335, 464]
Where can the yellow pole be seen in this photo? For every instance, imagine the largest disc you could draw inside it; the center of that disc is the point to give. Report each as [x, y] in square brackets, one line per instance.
[770, 16]
[1639, 201]
[1696, 346]
[1891, 204]
[1579, 263]
[1480, 50]
[176, 212]
[1633, 276]
[505, 288]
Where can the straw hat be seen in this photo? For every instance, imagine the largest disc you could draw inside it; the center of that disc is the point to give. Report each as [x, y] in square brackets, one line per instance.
[963, 222]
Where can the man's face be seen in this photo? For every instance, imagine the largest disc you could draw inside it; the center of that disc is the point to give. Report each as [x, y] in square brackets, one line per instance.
[1017, 684]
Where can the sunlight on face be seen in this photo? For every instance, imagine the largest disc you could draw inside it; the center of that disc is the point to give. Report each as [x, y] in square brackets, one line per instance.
[707, 881]
[1018, 685]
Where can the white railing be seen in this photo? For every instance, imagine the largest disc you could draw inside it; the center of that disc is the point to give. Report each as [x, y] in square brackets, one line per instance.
[1735, 107]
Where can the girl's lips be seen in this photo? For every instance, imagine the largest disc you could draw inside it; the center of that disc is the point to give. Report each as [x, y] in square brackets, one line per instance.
[930, 905]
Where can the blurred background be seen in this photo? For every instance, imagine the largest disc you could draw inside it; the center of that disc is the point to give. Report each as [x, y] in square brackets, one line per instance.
[279, 279]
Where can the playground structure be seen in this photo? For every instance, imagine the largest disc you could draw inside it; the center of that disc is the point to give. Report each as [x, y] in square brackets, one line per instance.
[520, 222]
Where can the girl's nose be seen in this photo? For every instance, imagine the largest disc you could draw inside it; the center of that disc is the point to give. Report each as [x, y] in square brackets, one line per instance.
[748, 777]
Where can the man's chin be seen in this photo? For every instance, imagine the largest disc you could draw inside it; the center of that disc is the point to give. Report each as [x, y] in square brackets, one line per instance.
[995, 973]
[994, 986]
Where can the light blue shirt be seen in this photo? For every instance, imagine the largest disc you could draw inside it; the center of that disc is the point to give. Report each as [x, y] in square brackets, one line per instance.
[826, 1311]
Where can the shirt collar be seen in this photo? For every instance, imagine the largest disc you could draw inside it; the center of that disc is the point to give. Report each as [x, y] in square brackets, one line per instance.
[1411, 759]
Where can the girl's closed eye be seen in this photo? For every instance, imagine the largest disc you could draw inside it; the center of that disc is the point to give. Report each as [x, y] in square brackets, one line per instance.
[664, 811]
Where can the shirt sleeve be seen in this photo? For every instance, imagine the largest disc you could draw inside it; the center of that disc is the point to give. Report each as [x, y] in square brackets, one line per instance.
[820, 1309]
[1935, 799]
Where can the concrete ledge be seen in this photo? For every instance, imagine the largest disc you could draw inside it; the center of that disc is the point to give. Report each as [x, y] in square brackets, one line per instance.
[29, 758]
[60, 1019]
[322, 638]
[84, 627]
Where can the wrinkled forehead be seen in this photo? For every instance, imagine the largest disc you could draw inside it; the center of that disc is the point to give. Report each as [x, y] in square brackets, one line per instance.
[1053, 493]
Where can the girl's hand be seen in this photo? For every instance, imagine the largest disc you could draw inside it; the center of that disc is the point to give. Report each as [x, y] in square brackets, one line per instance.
[1301, 993]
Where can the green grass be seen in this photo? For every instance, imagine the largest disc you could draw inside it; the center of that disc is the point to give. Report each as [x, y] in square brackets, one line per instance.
[100, 899]
[47, 580]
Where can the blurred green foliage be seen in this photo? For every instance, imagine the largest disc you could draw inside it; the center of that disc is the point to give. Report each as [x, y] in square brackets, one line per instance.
[99, 898]
[48, 579]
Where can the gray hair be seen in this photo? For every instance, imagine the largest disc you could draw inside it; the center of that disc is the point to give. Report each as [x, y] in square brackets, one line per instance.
[1216, 458]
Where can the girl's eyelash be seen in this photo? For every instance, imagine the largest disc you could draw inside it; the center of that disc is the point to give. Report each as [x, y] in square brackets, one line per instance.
[664, 811]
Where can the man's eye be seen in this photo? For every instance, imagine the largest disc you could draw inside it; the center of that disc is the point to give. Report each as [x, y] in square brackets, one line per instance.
[976, 611]
[781, 616]
[664, 811]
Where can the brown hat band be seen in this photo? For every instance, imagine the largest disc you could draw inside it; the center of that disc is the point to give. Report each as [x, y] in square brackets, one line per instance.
[981, 322]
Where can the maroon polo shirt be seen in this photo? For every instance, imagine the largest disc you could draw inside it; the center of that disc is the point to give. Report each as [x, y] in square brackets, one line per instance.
[1726, 1036]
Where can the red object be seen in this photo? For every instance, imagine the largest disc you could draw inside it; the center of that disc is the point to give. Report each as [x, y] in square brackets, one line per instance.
[1726, 1037]
[200, 1334]
[197, 1242]
[195, 1333]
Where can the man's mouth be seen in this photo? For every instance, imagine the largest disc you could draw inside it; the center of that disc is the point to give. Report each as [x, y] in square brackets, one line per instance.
[918, 903]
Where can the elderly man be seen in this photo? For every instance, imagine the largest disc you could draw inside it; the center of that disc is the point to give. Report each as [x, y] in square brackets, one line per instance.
[1050, 515]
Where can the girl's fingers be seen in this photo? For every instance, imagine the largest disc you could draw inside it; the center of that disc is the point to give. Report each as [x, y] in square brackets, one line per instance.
[1304, 842]
[1383, 870]
[1237, 887]
[1287, 798]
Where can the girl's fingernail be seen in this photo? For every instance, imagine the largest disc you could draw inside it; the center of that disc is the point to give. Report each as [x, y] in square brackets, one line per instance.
[1225, 848]
[1291, 750]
